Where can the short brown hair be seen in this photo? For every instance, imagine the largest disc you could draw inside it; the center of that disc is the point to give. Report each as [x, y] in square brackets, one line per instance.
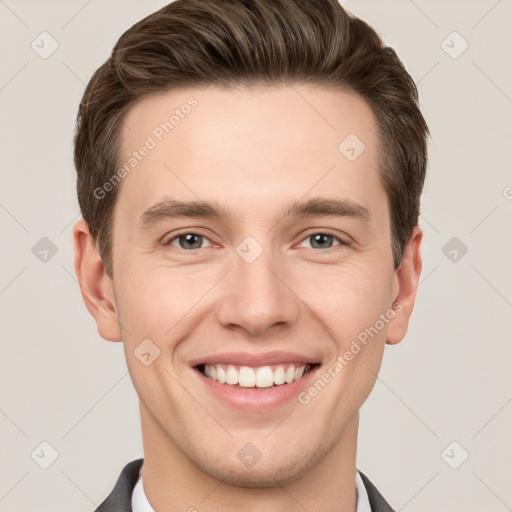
[249, 42]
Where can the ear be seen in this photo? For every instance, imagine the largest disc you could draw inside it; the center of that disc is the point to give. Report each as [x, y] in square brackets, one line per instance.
[96, 287]
[407, 277]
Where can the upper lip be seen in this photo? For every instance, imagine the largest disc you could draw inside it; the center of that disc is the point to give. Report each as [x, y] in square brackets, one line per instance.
[248, 359]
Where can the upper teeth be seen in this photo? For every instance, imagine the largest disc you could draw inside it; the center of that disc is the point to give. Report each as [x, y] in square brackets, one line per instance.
[248, 377]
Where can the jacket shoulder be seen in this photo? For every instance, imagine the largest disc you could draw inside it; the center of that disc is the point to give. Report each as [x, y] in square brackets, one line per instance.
[120, 499]
[377, 501]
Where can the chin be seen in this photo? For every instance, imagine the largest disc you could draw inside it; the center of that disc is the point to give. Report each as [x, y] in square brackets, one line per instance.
[273, 472]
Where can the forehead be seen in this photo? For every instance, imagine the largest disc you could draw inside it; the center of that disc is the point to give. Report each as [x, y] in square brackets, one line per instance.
[249, 148]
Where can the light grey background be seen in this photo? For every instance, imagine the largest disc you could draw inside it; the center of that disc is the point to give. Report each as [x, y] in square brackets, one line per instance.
[449, 381]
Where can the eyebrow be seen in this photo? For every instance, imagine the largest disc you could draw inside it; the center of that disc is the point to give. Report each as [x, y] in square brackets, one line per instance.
[325, 207]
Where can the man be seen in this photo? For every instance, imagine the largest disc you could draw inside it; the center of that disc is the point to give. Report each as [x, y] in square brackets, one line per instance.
[249, 175]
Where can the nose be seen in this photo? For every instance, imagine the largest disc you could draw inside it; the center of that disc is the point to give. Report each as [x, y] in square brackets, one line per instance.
[258, 296]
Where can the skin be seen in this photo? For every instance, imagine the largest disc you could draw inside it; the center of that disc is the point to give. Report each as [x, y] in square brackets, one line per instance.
[253, 151]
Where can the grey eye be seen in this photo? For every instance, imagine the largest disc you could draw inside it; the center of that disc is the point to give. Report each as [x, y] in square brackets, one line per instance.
[322, 240]
[186, 241]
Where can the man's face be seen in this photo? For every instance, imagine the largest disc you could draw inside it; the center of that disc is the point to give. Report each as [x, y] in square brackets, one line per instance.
[289, 289]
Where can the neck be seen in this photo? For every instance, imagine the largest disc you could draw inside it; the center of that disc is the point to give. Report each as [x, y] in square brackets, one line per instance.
[172, 481]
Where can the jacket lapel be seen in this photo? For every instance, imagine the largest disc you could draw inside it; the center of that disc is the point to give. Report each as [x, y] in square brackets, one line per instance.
[377, 502]
[120, 499]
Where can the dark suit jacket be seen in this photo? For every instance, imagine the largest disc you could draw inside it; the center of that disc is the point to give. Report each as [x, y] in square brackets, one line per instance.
[120, 499]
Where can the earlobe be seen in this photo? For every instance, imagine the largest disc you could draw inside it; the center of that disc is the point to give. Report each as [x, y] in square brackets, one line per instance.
[407, 276]
[95, 285]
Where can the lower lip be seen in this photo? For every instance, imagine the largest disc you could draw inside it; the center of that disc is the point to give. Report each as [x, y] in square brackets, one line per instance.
[263, 399]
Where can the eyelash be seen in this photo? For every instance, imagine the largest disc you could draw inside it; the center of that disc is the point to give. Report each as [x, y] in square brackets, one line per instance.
[328, 233]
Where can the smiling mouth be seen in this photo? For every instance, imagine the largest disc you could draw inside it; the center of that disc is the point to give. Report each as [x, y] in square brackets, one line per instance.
[256, 378]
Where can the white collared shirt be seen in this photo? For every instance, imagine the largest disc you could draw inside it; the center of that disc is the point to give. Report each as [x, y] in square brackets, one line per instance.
[141, 504]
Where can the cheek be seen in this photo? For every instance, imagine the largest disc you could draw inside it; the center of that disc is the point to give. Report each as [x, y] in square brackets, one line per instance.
[151, 303]
[348, 299]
